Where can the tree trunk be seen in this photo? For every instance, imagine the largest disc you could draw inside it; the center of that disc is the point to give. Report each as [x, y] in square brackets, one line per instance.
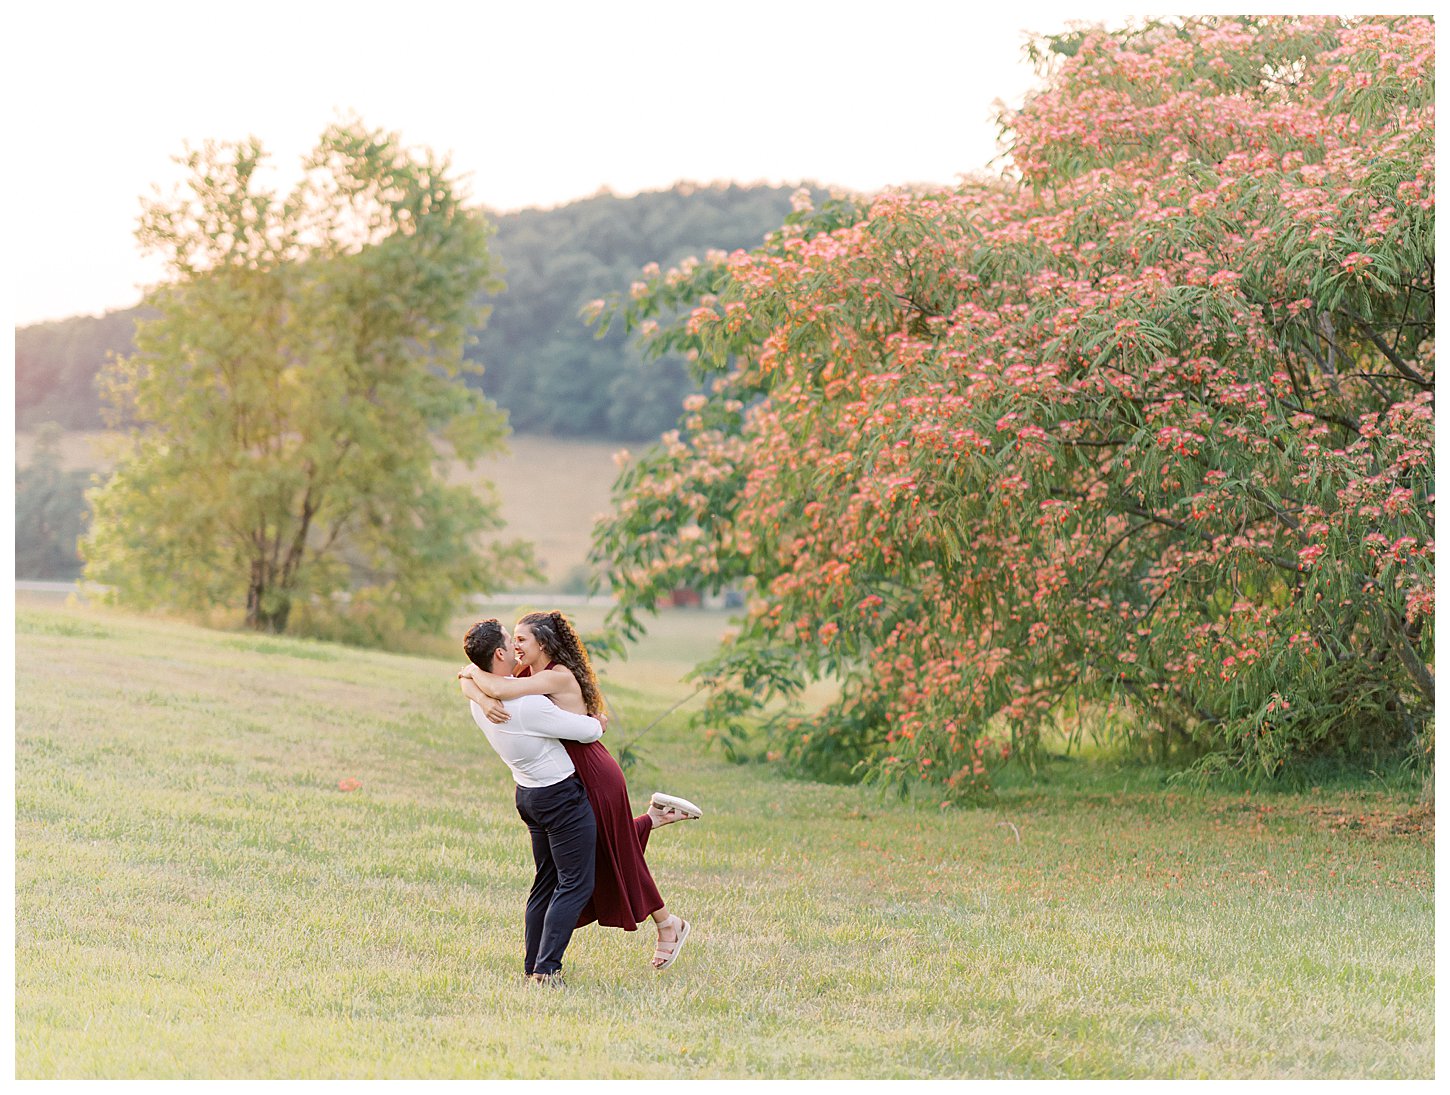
[258, 618]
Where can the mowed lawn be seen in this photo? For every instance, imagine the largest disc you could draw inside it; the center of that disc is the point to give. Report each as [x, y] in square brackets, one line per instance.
[196, 897]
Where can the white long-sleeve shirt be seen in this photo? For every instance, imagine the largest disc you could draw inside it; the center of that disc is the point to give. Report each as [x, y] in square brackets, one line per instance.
[529, 743]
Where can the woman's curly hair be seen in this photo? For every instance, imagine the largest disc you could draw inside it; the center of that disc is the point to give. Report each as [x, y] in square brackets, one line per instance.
[561, 643]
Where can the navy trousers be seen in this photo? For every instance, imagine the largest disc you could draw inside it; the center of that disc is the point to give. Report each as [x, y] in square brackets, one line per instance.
[562, 828]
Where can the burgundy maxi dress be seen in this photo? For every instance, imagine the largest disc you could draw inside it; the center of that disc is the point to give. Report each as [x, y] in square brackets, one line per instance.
[624, 891]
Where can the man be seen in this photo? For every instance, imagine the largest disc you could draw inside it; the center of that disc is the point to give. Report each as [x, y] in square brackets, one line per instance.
[549, 797]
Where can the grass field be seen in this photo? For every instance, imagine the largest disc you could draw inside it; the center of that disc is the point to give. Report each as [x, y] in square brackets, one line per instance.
[196, 897]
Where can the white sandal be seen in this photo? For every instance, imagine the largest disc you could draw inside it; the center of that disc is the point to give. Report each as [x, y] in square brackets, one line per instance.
[670, 802]
[669, 951]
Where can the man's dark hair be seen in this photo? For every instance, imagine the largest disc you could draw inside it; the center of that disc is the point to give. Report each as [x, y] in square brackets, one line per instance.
[482, 640]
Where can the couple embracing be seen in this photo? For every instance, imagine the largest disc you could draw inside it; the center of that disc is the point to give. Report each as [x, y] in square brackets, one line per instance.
[535, 696]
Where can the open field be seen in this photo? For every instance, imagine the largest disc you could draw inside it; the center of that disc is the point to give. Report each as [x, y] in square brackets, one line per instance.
[550, 491]
[196, 897]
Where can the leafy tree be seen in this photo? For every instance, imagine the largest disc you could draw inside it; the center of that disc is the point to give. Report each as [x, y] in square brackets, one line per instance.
[289, 392]
[1141, 430]
[49, 511]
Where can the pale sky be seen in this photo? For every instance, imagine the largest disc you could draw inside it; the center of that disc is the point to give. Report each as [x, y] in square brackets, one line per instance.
[536, 103]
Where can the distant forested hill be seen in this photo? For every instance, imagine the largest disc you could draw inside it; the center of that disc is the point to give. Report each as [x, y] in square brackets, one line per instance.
[56, 365]
[541, 363]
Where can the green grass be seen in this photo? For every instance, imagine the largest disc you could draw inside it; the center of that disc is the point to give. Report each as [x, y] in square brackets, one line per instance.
[195, 897]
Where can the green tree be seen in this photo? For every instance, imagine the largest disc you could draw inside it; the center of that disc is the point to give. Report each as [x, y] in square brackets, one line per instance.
[49, 511]
[297, 394]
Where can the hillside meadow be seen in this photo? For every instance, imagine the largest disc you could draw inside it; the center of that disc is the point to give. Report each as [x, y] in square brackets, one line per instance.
[549, 490]
[197, 897]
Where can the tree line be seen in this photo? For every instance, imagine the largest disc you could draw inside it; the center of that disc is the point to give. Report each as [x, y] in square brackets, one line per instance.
[541, 365]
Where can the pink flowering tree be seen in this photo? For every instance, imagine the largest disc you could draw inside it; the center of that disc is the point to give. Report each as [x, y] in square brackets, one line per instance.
[1136, 437]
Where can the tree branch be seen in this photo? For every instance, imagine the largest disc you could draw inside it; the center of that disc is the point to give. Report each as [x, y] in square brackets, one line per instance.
[1409, 658]
[1402, 367]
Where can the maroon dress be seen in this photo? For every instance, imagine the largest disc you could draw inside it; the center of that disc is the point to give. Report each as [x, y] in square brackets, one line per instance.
[624, 891]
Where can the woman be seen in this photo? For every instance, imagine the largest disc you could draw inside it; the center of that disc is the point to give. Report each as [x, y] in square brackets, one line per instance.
[553, 662]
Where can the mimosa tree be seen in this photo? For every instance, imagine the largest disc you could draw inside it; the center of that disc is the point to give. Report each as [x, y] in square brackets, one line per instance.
[1140, 432]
